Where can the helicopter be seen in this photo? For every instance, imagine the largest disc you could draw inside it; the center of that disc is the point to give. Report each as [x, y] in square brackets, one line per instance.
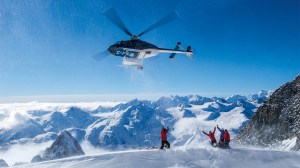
[134, 51]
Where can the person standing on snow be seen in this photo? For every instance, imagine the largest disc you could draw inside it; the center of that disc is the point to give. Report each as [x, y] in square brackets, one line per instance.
[212, 137]
[164, 140]
[226, 138]
[221, 135]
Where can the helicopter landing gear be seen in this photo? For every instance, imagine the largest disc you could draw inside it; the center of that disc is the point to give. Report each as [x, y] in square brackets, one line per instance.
[133, 62]
[140, 67]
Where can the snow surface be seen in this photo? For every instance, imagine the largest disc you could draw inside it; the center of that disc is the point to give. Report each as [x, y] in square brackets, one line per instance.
[288, 144]
[201, 157]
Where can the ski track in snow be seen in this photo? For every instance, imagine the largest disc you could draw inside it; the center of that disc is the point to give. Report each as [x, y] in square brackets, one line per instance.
[180, 157]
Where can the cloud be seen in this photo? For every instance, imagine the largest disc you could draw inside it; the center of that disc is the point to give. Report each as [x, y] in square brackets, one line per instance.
[12, 114]
[90, 149]
[23, 108]
[22, 152]
[140, 80]
[99, 98]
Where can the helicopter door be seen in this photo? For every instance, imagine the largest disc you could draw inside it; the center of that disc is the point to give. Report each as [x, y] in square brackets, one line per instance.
[150, 53]
[132, 54]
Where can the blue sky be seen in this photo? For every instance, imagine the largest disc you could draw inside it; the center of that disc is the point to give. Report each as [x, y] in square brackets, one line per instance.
[241, 47]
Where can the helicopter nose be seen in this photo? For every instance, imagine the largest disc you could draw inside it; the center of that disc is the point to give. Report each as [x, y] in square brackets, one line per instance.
[111, 49]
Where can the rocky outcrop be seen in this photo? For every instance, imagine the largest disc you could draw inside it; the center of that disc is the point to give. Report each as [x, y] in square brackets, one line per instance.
[3, 163]
[277, 121]
[37, 158]
[64, 146]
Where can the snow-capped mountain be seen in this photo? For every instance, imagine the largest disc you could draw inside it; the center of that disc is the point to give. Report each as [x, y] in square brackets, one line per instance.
[3, 163]
[73, 118]
[135, 126]
[64, 146]
[276, 122]
[136, 123]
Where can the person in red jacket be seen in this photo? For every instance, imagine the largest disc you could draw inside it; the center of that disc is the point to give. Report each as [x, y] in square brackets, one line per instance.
[226, 138]
[164, 140]
[212, 137]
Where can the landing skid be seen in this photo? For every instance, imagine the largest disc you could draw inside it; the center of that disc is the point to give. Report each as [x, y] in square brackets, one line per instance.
[130, 66]
[129, 62]
[140, 67]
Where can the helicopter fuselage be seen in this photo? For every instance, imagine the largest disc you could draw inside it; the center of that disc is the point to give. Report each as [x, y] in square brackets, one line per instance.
[133, 49]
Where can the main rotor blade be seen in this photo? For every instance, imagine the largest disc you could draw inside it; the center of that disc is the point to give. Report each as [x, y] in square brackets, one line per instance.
[100, 56]
[167, 19]
[113, 16]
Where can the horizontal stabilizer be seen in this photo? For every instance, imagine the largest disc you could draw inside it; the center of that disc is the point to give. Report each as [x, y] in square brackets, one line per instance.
[176, 48]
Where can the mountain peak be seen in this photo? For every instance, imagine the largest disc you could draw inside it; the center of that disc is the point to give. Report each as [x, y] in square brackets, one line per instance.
[65, 145]
[3, 163]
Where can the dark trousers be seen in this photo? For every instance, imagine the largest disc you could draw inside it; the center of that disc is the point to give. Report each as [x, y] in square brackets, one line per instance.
[213, 142]
[163, 144]
[226, 143]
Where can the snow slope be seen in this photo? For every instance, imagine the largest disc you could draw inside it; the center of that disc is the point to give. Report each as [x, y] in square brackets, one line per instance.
[180, 157]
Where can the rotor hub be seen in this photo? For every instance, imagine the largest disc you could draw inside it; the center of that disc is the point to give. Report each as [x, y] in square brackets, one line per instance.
[134, 37]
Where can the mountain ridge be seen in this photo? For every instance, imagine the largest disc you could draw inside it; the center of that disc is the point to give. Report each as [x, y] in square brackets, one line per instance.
[121, 125]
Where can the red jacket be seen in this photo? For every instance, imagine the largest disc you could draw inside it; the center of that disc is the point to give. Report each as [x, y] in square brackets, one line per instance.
[163, 134]
[226, 136]
[211, 135]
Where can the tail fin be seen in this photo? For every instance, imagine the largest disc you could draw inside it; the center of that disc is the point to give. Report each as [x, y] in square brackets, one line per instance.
[176, 48]
[189, 50]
